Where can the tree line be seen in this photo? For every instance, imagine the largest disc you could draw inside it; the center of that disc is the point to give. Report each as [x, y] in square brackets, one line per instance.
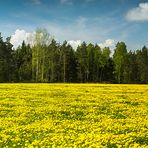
[48, 61]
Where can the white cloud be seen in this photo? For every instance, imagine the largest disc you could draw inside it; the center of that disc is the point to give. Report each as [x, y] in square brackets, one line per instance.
[107, 43]
[139, 13]
[82, 28]
[19, 36]
[74, 44]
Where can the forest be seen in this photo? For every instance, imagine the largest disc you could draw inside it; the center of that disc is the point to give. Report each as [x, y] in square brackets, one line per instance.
[46, 60]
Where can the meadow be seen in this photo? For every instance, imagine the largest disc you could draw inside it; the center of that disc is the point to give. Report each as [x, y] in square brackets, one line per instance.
[73, 115]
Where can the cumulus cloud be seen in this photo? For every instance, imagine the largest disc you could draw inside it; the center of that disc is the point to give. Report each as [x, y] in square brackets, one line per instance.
[78, 29]
[108, 43]
[74, 44]
[29, 37]
[19, 36]
[139, 13]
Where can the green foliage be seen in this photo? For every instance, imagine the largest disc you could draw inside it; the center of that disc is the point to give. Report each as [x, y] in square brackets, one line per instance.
[119, 58]
[48, 61]
[5, 60]
[23, 66]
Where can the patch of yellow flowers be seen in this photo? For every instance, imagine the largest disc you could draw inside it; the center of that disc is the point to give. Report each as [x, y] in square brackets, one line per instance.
[73, 115]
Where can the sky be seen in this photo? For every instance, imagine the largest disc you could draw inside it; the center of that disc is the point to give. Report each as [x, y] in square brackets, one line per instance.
[102, 22]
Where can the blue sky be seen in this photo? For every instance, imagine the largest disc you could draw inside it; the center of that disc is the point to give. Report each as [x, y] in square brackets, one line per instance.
[98, 21]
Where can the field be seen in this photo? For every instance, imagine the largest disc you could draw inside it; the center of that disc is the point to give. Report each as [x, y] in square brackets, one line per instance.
[73, 115]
